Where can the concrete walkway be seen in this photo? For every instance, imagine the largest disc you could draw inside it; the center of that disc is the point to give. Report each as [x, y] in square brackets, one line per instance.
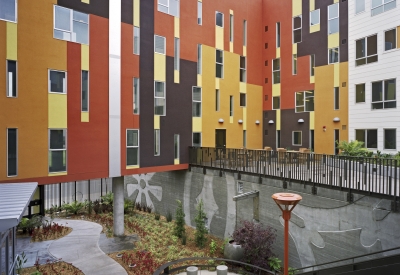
[81, 249]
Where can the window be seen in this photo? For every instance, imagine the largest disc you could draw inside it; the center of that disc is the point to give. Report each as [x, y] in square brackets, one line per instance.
[71, 25]
[231, 106]
[390, 40]
[278, 34]
[11, 78]
[231, 28]
[244, 32]
[360, 93]
[57, 150]
[176, 146]
[8, 10]
[159, 98]
[242, 69]
[199, 13]
[312, 65]
[366, 50]
[305, 101]
[276, 103]
[296, 138]
[136, 40]
[12, 152]
[219, 57]
[136, 95]
[244, 139]
[197, 139]
[369, 137]
[384, 94]
[240, 187]
[314, 17]
[196, 102]
[157, 142]
[242, 100]
[297, 29]
[170, 7]
[294, 64]
[219, 19]
[379, 6]
[176, 54]
[360, 6]
[390, 138]
[85, 91]
[57, 82]
[276, 71]
[333, 18]
[159, 44]
[333, 55]
[336, 102]
[132, 147]
[217, 100]
[199, 59]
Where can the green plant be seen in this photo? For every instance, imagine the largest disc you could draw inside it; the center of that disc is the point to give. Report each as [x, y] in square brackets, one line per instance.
[37, 272]
[184, 239]
[201, 229]
[73, 207]
[213, 247]
[157, 216]
[169, 216]
[291, 271]
[179, 229]
[353, 148]
[108, 198]
[88, 206]
[128, 206]
[23, 224]
[226, 240]
[21, 260]
[274, 263]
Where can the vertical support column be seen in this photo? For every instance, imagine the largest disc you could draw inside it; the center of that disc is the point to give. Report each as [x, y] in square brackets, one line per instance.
[118, 190]
[42, 199]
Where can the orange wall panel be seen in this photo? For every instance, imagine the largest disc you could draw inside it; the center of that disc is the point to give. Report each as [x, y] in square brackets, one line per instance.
[164, 26]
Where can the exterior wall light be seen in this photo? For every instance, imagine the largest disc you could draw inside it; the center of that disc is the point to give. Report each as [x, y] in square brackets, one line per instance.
[257, 122]
[240, 121]
[221, 120]
[336, 119]
[324, 128]
[271, 122]
[300, 120]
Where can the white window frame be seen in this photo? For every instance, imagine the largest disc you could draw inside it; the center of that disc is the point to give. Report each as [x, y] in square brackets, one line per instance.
[240, 99]
[16, 137]
[8, 80]
[54, 150]
[177, 143]
[384, 138]
[312, 65]
[300, 28]
[366, 50]
[383, 94]
[243, 70]
[138, 96]
[383, 4]
[366, 137]
[384, 40]
[301, 138]
[355, 7]
[294, 64]
[176, 54]
[71, 18]
[216, 19]
[231, 32]
[244, 32]
[240, 187]
[199, 13]
[304, 101]
[334, 98]
[333, 18]
[159, 97]
[319, 17]
[278, 34]
[16, 13]
[197, 101]
[136, 37]
[157, 142]
[167, 6]
[217, 100]
[49, 82]
[222, 64]
[273, 107]
[199, 58]
[244, 138]
[231, 105]
[275, 71]
[87, 91]
[133, 146]
[164, 46]
[329, 60]
[200, 139]
[355, 93]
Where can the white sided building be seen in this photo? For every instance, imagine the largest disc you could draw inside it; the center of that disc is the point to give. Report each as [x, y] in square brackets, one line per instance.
[374, 74]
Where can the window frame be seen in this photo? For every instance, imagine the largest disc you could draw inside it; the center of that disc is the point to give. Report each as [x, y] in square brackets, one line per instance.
[16, 152]
[278, 34]
[193, 144]
[66, 82]
[355, 7]
[243, 70]
[87, 91]
[177, 147]
[383, 101]
[244, 138]
[137, 92]
[355, 92]
[177, 54]
[242, 96]
[300, 28]
[304, 101]
[199, 13]
[133, 146]
[245, 33]
[301, 138]
[231, 31]
[136, 51]
[276, 71]
[231, 105]
[336, 98]
[216, 12]
[294, 64]
[366, 137]
[383, 4]
[8, 79]
[165, 43]
[329, 56]
[199, 58]
[221, 64]
[273, 102]
[197, 101]
[168, 7]
[384, 138]
[15, 14]
[366, 57]
[157, 142]
[319, 17]
[312, 64]
[71, 24]
[53, 150]
[217, 100]
[158, 97]
[395, 40]
[333, 18]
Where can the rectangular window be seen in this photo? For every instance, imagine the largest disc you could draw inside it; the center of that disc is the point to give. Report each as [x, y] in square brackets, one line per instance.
[390, 138]
[12, 152]
[136, 95]
[156, 142]
[384, 94]
[368, 137]
[242, 69]
[136, 40]
[294, 64]
[217, 100]
[176, 146]
[360, 93]
[159, 44]
[199, 13]
[8, 10]
[305, 101]
[176, 54]
[132, 147]
[85, 91]
[367, 50]
[297, 29]
[336, 98]
[390, 40]
[296, 138]
[278, 34]
[57, 150]
[333, 18]
[360, 6]
[71, 25]
[276, 102]
[242, 100]
[314, 17]
[219, 19]
[219, 59]
[196, 140]
[231, 28]
[276, 71]
[230, 105]
[196, 96]
[199, 63]
[170, 7]
[379, 6]
[159, 98]
[11, 78]
[333, 55]
[312, 65]
[57, 82]
[244, 139]
[244, 32]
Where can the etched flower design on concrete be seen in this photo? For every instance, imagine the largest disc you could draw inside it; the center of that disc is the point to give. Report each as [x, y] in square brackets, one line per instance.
[207, 195]
[144, 187]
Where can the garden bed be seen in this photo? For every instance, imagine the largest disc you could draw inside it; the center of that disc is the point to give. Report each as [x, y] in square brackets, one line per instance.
[55, 268]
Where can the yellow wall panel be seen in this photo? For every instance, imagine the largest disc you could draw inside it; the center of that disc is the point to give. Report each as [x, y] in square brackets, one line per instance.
[254, 112]
[176, 161]
[296, 7]
[217, 83]
[132, 167]
[242, 87]
[156, 122]
[336, 75]
[199, 80]
[315, 28]
[86, 1]
[278, 52]
[58, 174]
[84, 116]
[333, 40]
[312, 79]
[244, 118]
[176, 76]
[312, 5]
[176, 27]
[312, 120]
[244, 51]
[231, 119]
[159, 67]
[278, 119]
[57, 111]
[85, 57]
[294, 48]
[276, 89]
[11, 41]
[231, 46]
[219, 38]
[136, 13]
[197, 124]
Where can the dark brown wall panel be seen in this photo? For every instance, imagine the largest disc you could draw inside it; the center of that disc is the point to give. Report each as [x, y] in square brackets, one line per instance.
[289, 123]
[270, 139]
[343, 29]
[127, 11]
[96, 7]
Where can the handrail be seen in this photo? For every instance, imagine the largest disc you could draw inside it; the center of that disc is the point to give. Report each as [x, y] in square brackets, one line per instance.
[167, 265]
[350, 258]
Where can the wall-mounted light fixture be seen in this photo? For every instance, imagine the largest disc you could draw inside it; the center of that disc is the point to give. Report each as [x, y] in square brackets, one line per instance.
[271, 122]
[336, 119]
[324, 128]
[257, 122]
[300, 120]
[240, 121]
[220, 120]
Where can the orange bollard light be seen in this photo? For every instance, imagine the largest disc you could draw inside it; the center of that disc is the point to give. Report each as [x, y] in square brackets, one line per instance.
[286, 202]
